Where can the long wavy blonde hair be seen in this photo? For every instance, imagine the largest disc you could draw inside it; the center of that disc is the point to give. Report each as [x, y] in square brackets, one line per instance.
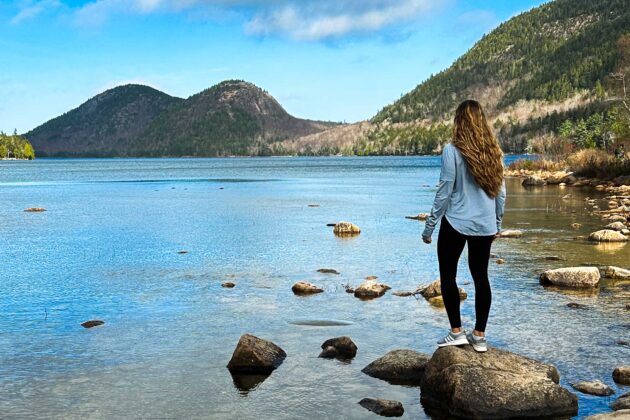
[474, 138]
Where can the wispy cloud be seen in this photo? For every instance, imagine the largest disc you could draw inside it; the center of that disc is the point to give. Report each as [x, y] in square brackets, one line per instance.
[32, 9]
[309, 20]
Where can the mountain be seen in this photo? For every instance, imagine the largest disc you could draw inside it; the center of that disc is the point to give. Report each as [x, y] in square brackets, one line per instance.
[104, 125]
[231, 118]
[532, 73]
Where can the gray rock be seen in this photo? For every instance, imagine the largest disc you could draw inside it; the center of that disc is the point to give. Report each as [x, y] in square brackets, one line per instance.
[385, 408]
[618, 226]
[621, 375]
[339, 347]
[255, 355]
[576, 277]
[595, 387]
[404, 367]
[494, 385]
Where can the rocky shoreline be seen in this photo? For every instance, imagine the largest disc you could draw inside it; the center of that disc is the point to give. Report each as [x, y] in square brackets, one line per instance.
[453, 381]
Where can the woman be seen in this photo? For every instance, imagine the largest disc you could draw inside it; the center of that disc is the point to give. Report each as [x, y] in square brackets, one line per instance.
[470, 202]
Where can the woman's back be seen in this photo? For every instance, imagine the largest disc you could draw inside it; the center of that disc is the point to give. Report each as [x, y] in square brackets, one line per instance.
[470, 210]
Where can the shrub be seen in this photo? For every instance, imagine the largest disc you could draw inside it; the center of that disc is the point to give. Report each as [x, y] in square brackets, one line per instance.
[594, 163]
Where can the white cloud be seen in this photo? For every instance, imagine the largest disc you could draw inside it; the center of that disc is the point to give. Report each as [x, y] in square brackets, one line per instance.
[297, 19]
[320, 20]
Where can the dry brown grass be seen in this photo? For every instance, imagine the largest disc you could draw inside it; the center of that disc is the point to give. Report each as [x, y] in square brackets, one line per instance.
[593, 163]
[536, 165]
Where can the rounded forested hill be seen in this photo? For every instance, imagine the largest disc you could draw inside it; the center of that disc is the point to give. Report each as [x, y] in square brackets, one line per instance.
[549, 53]
[104, 125]
[231, 118]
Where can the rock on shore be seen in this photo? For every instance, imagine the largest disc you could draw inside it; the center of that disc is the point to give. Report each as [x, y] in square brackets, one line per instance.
[255, 355]
[578, 277]
[494, 385]
[607, 235]
[405, 367]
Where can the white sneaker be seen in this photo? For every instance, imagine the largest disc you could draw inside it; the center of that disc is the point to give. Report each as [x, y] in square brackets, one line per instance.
[453, 339]
[478, 343]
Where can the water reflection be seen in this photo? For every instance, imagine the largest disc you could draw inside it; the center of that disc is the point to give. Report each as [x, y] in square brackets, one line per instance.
[246, 383]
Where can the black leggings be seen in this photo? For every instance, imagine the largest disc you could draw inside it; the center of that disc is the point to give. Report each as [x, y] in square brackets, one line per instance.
[450, 246]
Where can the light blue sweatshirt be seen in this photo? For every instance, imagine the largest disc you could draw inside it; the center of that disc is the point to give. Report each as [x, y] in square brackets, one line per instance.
[465, 204]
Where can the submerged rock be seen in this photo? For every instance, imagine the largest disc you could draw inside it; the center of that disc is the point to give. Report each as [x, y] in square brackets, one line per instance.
[92, 323]
[607, 235]
[327, 271]
[340, 348]
[595, 387]
[574, 305]
[553, 258]
[511, 233]
[576, 225]
[403, 294]
[370, 289]
[494, 385]
[612, 272]
[578, 277]
[305, 288]
[228, 284]
[621, 375]
[255, 355]
[35, 210]
[182, 252]
[346, 229]
[385, 408]
[399, 367]
[500, 261]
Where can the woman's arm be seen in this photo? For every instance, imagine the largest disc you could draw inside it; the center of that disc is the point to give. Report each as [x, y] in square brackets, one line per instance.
[500, 206]
[443, 194]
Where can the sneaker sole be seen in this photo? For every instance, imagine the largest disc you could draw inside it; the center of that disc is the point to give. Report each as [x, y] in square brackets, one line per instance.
[479, 349]
[458, 342]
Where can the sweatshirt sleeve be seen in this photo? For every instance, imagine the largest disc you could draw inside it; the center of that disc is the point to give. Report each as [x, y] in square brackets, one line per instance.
[443, 194]
[500, 206]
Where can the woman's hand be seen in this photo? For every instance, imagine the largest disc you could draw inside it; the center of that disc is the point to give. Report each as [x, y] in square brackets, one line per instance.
[426, 239]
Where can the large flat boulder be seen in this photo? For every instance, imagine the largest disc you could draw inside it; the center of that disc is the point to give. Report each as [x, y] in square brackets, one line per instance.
[607, 235]
[493, 385]
[255, 355]
[577, 277]
[404, 367]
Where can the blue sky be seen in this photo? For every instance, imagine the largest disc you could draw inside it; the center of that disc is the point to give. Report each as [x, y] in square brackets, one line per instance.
[339, 60]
